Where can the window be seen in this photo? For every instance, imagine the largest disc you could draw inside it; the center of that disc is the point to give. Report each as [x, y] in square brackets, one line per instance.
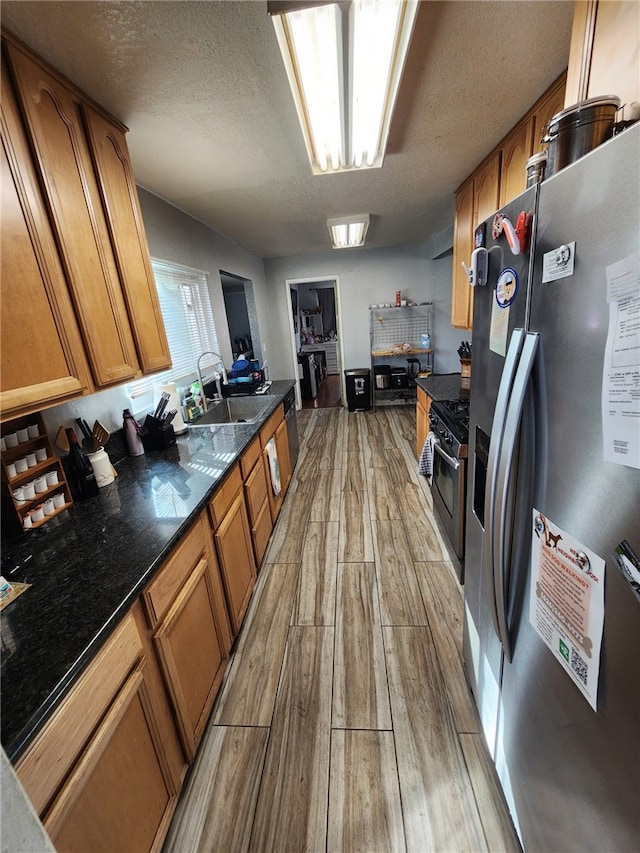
[188, 321]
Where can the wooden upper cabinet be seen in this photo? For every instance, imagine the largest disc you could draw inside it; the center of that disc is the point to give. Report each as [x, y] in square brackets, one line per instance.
[516, 150]
[486, 190]
[551, 104]
[605, 45]
[42, 352]
[54, 118]
[462, 293]
[124, 219]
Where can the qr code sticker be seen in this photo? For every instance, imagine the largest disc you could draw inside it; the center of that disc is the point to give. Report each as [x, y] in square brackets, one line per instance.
[579, 666]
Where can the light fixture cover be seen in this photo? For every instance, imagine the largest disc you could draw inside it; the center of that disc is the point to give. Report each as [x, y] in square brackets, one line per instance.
[348, 232]
[344, 62]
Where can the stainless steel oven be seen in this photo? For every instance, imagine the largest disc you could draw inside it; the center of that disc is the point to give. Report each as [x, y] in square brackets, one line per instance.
[448, 421]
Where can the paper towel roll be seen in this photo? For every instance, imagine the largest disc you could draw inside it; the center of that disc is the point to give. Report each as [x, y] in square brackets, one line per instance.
[179, 425]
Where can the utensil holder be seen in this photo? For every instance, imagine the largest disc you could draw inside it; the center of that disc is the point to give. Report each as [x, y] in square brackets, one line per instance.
[157, 436]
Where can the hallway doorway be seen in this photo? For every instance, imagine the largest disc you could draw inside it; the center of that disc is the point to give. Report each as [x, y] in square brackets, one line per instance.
[328, 396]
[315, 344]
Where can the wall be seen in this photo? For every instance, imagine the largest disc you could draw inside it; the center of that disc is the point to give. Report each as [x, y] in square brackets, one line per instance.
[367, 277]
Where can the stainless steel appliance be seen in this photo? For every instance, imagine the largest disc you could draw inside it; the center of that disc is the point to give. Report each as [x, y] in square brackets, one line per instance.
[570, 774]
[289, 403]
[449, 422]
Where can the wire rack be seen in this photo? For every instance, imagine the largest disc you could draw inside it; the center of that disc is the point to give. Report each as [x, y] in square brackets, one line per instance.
[392, 326]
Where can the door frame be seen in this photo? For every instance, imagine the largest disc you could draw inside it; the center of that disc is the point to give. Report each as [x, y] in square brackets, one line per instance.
[292, 340]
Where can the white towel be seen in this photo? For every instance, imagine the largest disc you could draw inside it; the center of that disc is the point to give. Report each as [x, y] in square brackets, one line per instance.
[425, 465]
[274, 467]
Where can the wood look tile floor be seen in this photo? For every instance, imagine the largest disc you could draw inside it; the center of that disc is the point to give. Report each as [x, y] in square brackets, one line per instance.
[345, 722]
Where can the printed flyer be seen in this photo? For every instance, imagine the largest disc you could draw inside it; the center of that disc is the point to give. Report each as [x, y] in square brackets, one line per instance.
[566, 606]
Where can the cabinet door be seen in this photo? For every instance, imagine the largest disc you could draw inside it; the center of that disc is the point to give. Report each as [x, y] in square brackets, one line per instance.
[54, 119]
[119, 796]
[193, 653]
[124, 219]
[284, 460]
[237, 565]
[261, 532]
[462, 293]
[516, 150]
[42, 353]
[423, 404]
[486, 186]
[255, 491]
[552, 103]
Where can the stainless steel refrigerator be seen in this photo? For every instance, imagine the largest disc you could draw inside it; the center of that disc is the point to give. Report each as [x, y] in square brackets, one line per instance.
[543, 411]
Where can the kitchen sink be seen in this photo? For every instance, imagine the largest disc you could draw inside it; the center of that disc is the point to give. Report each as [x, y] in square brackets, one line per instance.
[235, 411]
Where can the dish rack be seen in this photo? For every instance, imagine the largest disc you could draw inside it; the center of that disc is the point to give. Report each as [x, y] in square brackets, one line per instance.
[32, 440]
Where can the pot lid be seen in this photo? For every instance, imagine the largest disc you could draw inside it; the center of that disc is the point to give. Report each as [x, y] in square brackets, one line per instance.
[574, 109]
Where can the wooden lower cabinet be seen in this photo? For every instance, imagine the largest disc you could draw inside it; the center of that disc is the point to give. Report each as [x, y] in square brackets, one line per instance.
[118, 796]
[255, 492]
[423, 404]
[235, 554]
[101, 773]
[276, 429]
[187, 613]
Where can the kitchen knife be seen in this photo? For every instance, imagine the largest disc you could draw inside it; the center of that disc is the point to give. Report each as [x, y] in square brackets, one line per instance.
[169, 417]
[162, 405]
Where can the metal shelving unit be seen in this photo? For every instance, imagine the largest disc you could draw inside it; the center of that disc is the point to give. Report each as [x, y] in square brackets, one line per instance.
[395, 335]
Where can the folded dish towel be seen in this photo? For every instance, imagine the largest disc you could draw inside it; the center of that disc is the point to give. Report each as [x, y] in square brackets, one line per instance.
[274, 467]
[425, 465]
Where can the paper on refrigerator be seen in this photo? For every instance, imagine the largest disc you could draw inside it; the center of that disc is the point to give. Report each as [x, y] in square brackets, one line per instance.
[566, 605]
[621, 374]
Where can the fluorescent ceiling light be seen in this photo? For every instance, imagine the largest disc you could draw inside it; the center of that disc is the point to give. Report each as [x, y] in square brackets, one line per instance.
[347, 232]
[344, 62]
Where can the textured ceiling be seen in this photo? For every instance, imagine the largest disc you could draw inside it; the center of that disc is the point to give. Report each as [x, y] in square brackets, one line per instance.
[213, 128]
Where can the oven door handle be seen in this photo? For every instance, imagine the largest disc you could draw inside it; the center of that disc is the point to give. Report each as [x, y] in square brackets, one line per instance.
[451, 460]
[495, 446]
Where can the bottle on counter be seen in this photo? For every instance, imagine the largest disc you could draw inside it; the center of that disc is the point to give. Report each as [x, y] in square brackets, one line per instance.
[131, 429]
[82, 478]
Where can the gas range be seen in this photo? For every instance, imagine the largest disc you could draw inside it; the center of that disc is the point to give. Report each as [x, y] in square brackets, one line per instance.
[449, 419]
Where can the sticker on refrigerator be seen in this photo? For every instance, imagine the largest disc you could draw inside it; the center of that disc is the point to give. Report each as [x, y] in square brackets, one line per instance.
[566, 606]
[506, 287]
[621, 373]
[558, 263]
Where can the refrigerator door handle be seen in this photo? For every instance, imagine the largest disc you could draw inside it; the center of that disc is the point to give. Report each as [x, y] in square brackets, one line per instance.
[497, 431]
[505, 464]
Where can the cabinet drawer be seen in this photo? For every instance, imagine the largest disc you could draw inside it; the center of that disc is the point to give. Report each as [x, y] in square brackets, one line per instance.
[255, 490]
[171, 578]
[49, 759]
[225, 495]
[423, 398]
[250, 457]
[271, 425]
[261, 531]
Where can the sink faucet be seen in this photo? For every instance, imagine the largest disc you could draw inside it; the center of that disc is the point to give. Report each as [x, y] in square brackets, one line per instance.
[216, 375]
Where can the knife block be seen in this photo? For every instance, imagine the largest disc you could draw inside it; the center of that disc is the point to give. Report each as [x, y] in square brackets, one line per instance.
[157, 437]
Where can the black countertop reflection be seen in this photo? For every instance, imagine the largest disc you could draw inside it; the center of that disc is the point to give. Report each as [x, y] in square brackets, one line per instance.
[88, 565]
[442, 386]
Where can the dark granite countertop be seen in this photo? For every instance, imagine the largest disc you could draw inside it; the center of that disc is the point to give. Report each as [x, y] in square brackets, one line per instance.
[441, 386]
[87, 566]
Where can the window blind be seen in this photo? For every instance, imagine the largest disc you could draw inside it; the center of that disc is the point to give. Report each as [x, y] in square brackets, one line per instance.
[183, 294]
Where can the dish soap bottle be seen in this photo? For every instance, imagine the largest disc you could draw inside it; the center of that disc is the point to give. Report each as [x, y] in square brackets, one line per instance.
[131, 430]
